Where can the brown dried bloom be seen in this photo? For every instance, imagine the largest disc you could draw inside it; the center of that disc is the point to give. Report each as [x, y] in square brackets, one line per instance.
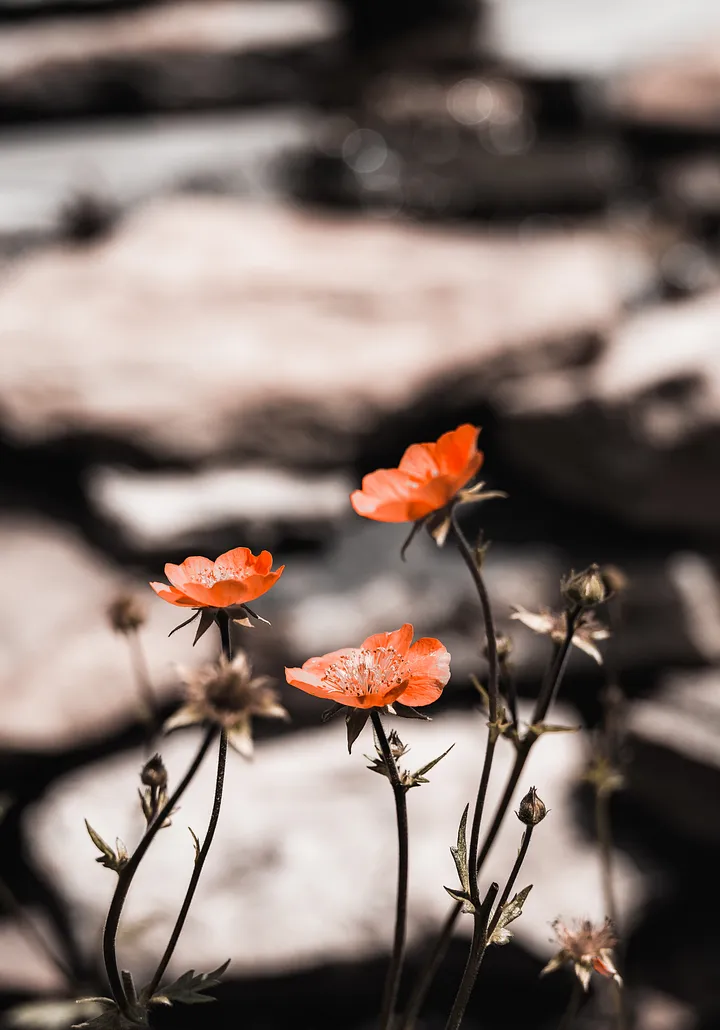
[587, 630]
[126, 613]
[587, 947]
[227, 694]
[585, 589]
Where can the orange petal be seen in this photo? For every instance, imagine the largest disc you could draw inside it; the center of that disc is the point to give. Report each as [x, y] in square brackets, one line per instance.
[419, 462]
[398, 639]
[310, 683]
[234, 564]
[191, 570]
[429, 663]
[173, 596]
[384, 496]
[457, 449]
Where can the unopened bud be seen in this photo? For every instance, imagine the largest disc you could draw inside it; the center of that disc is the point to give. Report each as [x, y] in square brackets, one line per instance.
[126, 613]
[585, 589]
[154, 773]
[532, 810]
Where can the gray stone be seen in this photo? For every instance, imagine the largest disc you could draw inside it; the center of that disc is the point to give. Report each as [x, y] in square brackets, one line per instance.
[302, 869]
[65, 677]
[206, 326]
[43, 169]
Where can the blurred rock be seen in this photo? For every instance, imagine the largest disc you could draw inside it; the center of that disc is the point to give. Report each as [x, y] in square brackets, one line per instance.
[596, 37]
[23, 967]
[682, 90]
[644, 415]
[45, 171]
[206, 326]
[65, 677]
[155, 510]
[162, 57]
[674, 742]
[302, 870]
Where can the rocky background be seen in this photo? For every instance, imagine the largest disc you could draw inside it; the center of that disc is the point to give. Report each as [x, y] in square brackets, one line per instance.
[249, 251]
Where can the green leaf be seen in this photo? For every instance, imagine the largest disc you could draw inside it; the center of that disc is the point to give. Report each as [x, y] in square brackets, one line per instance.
[188, 989]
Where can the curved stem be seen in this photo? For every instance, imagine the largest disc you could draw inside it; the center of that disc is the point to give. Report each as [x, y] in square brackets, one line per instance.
[548, 692]
[472, 966]
[493, 692]
[392, 981]
[197, 871]
[525, 844]
[127, 874]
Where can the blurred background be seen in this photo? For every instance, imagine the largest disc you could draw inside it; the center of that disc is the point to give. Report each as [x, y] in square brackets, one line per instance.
[249, 251]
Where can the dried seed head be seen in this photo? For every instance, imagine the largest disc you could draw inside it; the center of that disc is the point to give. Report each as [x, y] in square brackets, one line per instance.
[126, 613]
[531, 810]
[154, 773]
[588, 948]
[585, 589]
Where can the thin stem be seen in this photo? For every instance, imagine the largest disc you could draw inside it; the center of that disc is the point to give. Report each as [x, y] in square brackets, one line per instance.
[127, 874]
[573, 1006]
[472, 966]
[394, 973]
[32, 934]
[493, 692]
[525, 844]
[197, 870]
[141, 672]
[604, 836]
[548, 692]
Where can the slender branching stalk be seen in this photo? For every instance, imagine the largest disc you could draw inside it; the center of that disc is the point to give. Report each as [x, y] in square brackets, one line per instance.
[477, 952]
[548, 692]
[524, 845]
[127, 874]
[392, 982]
[197, 870]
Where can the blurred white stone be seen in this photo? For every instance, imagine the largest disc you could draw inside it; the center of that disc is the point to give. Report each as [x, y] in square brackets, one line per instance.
[201, 313]
[303, 866]
[65, 676]
[153, 509]
[23, 966]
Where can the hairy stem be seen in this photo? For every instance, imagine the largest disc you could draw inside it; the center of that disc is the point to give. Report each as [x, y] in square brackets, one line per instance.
[197, 870]
[477, 953]
[548, 692]
[392, 981]
[127, 874]
[524, 845]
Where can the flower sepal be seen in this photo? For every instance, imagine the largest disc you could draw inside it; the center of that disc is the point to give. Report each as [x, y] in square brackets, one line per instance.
[398, 749]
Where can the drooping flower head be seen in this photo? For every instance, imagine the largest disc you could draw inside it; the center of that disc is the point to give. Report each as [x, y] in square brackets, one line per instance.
[588, 948]
[227, 694]
[428, 478]
[236, 578]
[386, 669]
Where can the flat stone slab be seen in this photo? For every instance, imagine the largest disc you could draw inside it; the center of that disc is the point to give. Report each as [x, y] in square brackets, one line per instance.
[302, 870]
[205, 325]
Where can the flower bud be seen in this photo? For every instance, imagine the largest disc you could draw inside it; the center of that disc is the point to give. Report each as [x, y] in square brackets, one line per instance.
[585, 589]
[154, 773]
[532, 810]
[126, 613]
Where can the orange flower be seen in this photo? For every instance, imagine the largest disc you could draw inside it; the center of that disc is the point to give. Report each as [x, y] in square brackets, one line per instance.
[387, 667]
[236, 578]
[429, 476]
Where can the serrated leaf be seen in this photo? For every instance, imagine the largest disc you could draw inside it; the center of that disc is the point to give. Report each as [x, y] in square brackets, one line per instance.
[462, 897]
[107, 858]
[510, 911]
[459, 852]
[431, 765]
[188, 989]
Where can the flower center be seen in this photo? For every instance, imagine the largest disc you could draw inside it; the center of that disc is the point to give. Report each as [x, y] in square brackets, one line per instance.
[217, 574]
[366, 672]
